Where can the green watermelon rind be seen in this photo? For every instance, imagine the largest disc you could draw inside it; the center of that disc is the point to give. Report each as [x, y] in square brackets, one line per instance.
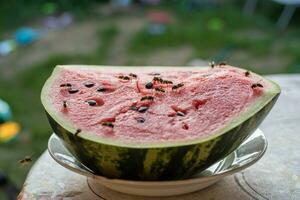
[163, 161]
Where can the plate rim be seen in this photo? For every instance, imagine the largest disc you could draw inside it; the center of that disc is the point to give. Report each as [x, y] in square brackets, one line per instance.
[164, 182]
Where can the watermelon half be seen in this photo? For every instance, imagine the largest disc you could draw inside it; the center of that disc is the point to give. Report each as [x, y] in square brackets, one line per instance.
[154, 123]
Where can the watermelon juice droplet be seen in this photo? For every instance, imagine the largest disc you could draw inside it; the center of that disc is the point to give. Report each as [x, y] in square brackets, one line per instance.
[88, 84]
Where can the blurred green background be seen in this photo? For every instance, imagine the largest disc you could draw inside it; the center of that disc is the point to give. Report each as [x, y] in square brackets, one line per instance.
[118, 33]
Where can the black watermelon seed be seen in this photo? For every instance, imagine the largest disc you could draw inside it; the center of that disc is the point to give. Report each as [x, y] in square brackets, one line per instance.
[256, 85]
[108, 124]
[149, 85]
[73, 91]
[89, 84]
[154, 74]
[65, 104]
[222, 63]
[140, 119]
[133, 108]
[66, 85]
[101, 89]
[143, 109]
[92, 102]
[178, 113]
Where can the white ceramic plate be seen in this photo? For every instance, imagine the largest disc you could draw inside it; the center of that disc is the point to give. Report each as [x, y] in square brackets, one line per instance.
[249, 152]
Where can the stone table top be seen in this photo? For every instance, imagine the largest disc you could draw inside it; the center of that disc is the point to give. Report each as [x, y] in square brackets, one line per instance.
[275, 176]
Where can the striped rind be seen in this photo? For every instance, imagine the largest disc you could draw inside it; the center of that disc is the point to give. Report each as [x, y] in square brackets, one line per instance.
[160, 163]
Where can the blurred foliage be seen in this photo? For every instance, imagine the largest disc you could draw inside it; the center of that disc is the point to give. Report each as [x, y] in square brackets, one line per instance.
[14, 13]
[194, 28]
[215, 32]
[23, 96]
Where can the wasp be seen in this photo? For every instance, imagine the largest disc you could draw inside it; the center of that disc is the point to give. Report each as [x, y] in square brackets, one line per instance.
[212, 64]
[133, 75]
[124, 77]
[167, 82]
[151, 98]
[159, 90]
[26, 160]
[158, 79]
[77, 132]
[177, 86]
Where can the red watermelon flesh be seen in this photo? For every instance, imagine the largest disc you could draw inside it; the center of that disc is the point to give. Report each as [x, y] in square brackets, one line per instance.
[153, 104]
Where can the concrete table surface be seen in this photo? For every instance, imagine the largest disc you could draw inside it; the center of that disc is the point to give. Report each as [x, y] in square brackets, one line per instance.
[275, 176]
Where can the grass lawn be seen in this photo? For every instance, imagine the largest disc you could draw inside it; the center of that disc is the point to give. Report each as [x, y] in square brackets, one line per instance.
[212, 34]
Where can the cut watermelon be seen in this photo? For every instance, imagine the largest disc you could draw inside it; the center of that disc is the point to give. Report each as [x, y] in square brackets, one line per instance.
[154, 123]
